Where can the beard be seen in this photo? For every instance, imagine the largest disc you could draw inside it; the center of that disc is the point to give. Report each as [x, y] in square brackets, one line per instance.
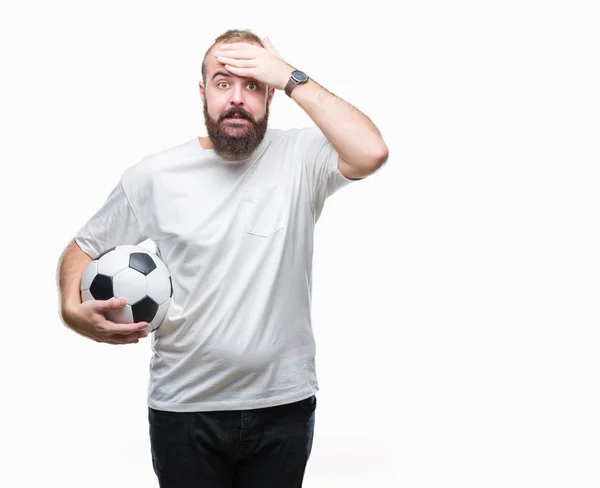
[239, 141]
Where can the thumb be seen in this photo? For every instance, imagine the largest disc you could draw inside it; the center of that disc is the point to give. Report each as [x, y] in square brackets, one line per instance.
[269, 47]
[112, 303]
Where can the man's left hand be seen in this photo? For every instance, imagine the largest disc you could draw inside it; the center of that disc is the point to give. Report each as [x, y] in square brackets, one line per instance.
[263, 64]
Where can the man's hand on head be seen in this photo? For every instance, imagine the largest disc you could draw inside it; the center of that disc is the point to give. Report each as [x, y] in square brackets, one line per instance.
[264, 64]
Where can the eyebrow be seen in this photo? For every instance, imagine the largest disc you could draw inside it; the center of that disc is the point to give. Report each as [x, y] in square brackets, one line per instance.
[228, 75]
[221, 73]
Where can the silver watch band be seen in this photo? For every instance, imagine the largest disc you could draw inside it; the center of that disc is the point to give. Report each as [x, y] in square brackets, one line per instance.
[291, 84]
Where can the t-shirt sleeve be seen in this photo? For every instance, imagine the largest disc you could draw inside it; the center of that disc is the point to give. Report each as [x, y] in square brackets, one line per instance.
[114, 224]
[321, 163]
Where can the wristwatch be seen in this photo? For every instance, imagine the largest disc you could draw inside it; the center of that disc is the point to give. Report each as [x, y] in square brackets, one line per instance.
[297, 78]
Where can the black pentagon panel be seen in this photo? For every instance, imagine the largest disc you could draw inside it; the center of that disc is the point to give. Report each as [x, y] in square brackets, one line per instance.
[141, 262]
[105, 252]
[144, 310]
[171, 281]
[101, 287]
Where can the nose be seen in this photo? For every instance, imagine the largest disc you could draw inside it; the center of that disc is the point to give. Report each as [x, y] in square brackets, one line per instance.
[237, 98]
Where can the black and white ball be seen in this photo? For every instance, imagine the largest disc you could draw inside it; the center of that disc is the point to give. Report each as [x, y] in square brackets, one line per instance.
[135, 274]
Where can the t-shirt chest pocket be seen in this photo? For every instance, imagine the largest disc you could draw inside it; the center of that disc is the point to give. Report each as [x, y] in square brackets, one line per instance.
[264, 210]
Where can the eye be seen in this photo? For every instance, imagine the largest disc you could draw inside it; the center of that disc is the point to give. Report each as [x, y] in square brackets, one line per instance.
[254, 85]
[221, 83]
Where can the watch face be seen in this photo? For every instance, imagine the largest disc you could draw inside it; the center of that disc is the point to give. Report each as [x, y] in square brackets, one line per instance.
[299, 76]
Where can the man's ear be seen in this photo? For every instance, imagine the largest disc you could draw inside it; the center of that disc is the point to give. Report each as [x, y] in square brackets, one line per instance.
[270, 94]
[202, 93]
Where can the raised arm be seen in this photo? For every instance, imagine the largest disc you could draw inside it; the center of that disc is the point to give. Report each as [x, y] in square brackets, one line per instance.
[360, 147]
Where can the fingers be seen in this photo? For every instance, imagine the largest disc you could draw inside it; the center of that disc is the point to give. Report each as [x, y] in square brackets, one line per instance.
[269, 46]
[238, 63]
[244, 55]
[115, 303]
[126, 339]
[241, 48]
[109, 327]
[117, 339]
[111, 303]
[112, 328]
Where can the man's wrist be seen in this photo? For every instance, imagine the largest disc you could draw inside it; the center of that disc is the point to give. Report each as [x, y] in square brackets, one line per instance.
[66, 309]
[288, 75]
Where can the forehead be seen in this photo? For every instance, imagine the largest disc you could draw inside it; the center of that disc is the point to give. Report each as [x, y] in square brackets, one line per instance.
[213, 64]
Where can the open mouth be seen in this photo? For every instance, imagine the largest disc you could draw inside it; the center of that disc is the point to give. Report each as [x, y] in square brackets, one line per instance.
[236, 116]
[236, 119]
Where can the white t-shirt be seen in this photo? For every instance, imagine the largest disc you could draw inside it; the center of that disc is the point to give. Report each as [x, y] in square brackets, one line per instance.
[238, 241]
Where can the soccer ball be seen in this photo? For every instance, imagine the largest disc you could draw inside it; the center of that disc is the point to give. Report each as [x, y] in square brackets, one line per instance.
[135, 274]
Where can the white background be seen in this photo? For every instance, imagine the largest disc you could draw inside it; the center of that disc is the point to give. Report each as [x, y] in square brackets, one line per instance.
[456, 291]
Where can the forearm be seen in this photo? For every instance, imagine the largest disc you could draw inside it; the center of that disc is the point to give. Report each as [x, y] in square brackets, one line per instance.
[72, 265]
[355, 138]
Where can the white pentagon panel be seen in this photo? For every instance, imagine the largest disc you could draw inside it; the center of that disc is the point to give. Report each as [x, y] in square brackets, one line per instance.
[160, 315]
[113, 262]
[130, 285]
[159, 262]
[158, 286]
[88, 275]
[120, 315]
[86, 296]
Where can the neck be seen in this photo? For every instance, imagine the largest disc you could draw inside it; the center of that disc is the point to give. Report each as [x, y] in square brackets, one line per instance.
[205, 142]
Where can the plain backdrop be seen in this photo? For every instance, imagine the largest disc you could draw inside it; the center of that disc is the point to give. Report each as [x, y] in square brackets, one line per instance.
[456, 305]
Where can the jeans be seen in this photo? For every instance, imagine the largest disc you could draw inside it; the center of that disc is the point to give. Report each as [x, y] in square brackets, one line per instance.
[259, 448]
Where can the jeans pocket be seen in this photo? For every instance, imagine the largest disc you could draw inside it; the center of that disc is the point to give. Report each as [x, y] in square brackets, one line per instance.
[308, 404]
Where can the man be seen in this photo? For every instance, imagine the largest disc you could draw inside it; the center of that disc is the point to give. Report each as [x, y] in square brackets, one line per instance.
[232, 385]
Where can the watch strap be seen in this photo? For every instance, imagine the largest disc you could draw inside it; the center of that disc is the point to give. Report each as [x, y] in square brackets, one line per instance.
[293, 83]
